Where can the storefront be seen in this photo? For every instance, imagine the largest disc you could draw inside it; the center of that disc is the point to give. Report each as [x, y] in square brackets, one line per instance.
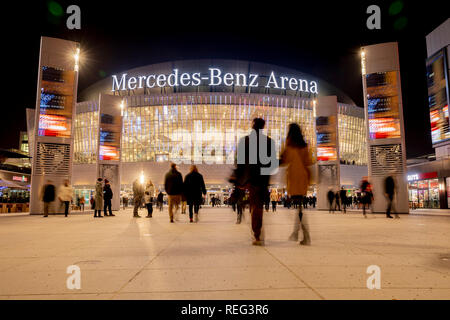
[423, 189]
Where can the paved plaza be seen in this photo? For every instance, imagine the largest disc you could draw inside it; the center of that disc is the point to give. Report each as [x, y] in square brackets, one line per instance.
[126, 258]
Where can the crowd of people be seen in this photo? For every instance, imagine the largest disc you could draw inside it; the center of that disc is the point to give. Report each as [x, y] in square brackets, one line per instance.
[251, 188]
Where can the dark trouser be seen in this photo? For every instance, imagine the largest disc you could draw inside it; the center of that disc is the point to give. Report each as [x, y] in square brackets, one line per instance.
[149, 208]
[160, 205]
[66, 207]
[137, 205]
[274, 206]
[239, 208]
[337, 205]
[389, 207]
[267, 205]
[194, 206]
[344, 205]
[99, 213]
[256, 210]
[331, 205]
[107, 205]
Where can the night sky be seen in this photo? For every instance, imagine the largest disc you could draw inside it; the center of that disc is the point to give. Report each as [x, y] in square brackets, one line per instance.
[317, 37]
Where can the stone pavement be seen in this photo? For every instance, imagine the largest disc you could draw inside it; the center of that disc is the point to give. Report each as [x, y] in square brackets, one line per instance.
[125, 258]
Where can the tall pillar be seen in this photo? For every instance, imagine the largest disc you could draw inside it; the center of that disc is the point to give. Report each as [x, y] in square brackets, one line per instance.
[384, 122]
[328, 167]
[52, 146]
[109, 142]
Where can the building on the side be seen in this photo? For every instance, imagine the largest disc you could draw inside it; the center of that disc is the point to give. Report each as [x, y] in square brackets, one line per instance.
[429, 177]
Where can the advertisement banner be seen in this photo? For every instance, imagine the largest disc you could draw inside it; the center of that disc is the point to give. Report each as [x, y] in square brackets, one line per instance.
[56, 101]
[437, 82]
[382, 103]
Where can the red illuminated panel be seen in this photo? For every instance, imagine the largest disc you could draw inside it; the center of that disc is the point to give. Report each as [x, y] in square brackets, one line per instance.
[109, 153]
[326, 154]
[53, 126]
[382, 128]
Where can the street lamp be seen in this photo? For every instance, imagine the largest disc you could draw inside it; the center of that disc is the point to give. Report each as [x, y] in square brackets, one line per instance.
[141, 179]
[76, 56]
[121, 108]
[363, 61]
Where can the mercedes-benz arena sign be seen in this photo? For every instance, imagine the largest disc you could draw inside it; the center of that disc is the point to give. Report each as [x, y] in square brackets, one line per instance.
[214, 77]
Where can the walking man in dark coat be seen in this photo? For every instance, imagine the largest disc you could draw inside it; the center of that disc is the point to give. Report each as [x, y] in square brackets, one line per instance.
[194, 189]
[107, 197]
[389, 190]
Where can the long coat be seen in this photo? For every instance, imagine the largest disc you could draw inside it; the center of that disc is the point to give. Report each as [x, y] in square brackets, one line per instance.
[298, 175]
[98, 197]
[194, 187]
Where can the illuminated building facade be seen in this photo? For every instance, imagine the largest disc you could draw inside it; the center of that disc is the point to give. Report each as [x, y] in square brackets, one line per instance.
[202, 124]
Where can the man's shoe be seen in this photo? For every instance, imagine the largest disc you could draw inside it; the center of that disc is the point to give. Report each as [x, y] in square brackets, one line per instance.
[191, 220]
[305, 242]
[257, 243]
[45, 216]
[171, 221]
[390, 217]
[112, 215]
[397, 216]
[136, 216]
[148, 216]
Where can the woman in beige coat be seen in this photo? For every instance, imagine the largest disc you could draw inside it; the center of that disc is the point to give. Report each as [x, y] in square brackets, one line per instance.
[297, 158]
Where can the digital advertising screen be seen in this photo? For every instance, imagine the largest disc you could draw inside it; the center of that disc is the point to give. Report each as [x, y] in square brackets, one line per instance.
[382, 103]
[56, 102]
[437, 81]
[109, 140]
[326, 138]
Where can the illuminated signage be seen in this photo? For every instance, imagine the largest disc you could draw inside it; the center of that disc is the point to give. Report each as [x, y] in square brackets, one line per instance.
[422, 176]
[383, 105]
[20, 178]
[437, 81]
[214, 77]
[326, 138]
[56, 100]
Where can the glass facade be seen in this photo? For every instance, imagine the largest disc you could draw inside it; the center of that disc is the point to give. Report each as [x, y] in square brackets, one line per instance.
[206, 127]
[86, 133]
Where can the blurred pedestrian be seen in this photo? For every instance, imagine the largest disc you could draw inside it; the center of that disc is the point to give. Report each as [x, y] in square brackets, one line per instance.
[330, 197]
[160, 200]
[148, 198]
[254, 174]
[82, 201]
[389, 190]
[238, 194]
[107, 197]
[337, 201]
[138, 194]
[65, 196]
[274, 199]
[183, 203]
[125, 201]
[343, 196]
[48, 196]
[194, 189]
[366, 195]
[297, 158]
[98, 199]
[173, 183]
